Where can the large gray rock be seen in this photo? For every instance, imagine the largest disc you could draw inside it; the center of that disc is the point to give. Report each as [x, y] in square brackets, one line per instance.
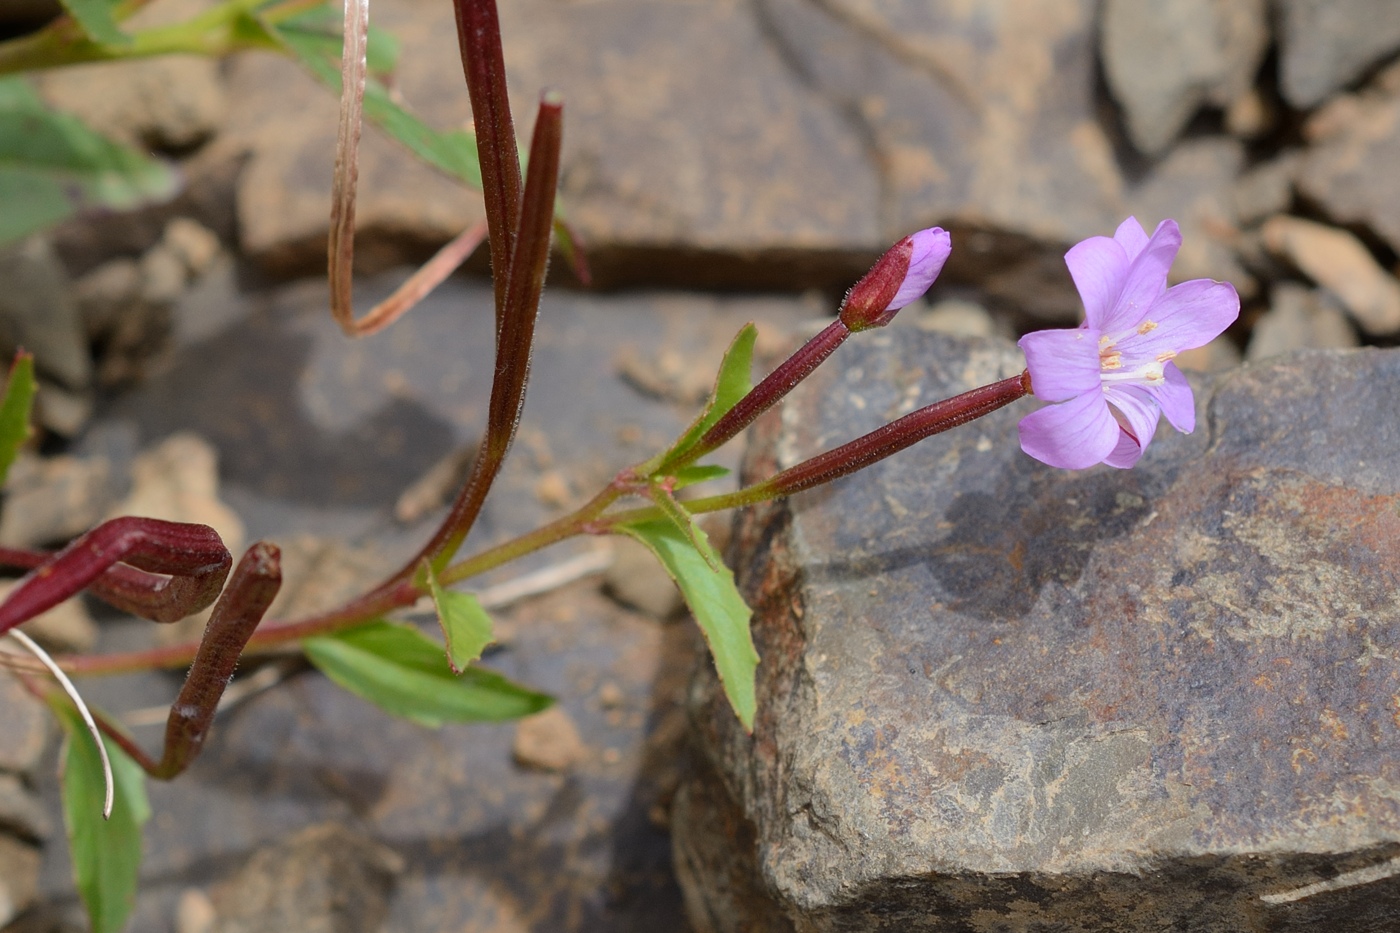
[984, 119]
[999, 696]
[1326, 44]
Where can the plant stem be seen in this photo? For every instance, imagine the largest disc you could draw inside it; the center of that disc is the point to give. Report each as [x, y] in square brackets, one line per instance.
[593, 518]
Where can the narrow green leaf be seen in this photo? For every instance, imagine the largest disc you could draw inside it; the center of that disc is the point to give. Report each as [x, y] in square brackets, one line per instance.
[685, 523]
[106, 854]
[97, 20]
[732, 384]
[710, 592]
[52, 165]
[14, 411]
[465, 625]
[697, 473]
[405, 673]
[317, 45]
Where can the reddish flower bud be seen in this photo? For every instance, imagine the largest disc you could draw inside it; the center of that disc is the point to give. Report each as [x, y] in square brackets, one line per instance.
[900, 276]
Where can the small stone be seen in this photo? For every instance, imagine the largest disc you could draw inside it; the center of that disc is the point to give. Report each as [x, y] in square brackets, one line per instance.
[49, 500]
[1326, 44]
[178, 480]
[1300, 318]
[1341, 263]
[105, 294]
[66, 627]
[637, 579]
[548, 741]
[38, 313]
[323, 879]
[193, 243]
[62, 411]
[552, 490]
[1265, 189]
[19, 877]
[194, 912]
[24, 728]
[610, 695]
[1163, 60]
[956, 316]
[1354, 140]
[163, 275]
[21, 811]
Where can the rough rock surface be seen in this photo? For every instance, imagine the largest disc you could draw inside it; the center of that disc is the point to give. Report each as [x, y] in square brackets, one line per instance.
[995, 695]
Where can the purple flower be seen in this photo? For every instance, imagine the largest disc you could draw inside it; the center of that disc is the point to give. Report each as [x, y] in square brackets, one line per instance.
[899, 277]
[1111, 378]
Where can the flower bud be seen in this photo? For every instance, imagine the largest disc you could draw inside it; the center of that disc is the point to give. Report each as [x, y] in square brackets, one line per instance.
[900, 276]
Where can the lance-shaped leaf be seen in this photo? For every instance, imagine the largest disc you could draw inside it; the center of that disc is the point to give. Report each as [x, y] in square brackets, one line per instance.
[14, 411]
[465, 625]
[709, 591]
[52, 165]
[405, 673]
[731, 384]
[97, 19]
[106, 854]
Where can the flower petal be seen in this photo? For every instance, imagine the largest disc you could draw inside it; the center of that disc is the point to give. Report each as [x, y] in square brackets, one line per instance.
[1062, 363]
[1131, 237]
[1145, 282]
[1136, 409]
[1187, 316]
[1175, 398]
[1099, 267]
[1072, 435]
[1126, 453]
[1136, 412]
[931, 250]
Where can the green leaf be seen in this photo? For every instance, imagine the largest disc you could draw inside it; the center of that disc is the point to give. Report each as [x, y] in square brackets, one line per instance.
[465, 625]
[106, 854]
[685, 523]
[317, 45]
[697, 473]
[52, 165]
[732, 384]
[97, 20]
[14, 411]
[400, 670]
[709, 590]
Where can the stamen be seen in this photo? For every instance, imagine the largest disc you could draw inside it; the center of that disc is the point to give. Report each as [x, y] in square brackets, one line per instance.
[1147, 327]
[1166, 356]
[1111, 360]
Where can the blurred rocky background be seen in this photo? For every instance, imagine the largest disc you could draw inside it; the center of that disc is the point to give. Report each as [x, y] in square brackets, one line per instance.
[728, 160]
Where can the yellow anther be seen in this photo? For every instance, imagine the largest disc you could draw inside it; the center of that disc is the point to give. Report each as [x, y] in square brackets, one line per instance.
[1166, 356]
[1147, 326]
[1111, 360]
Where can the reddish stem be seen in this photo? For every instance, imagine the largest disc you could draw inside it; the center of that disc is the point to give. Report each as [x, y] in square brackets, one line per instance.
[768, 392]
[483, 64]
